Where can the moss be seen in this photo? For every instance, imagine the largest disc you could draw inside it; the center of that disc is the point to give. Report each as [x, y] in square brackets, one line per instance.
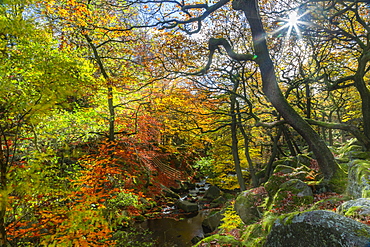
[255, 235]
[363, 233]
[291, 195]
[328, 203]
[304, 159]
[256, 242]
[359, 182]
[221, 240]
[253, 231]
[338, 183]
[282, 174]
[363, 169]
[352, 211]
[287, 219]
[365, 193]
[268, 221]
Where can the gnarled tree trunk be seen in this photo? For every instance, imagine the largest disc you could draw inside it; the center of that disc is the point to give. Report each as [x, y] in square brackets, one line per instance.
[272, 91]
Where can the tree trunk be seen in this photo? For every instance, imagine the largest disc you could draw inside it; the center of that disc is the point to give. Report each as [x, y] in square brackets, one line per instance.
[288, 140]
[234, 143]
[272, 91]
[112, 114]
[252, 168]
[99, 61]
[331, 141]
[269, 167]
[360, 84]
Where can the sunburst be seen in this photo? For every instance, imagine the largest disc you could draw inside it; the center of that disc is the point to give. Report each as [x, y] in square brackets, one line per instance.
[290, 27]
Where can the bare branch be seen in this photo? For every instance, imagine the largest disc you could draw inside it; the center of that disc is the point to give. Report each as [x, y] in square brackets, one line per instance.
[342, 126]
[213, 45]
[271, 125]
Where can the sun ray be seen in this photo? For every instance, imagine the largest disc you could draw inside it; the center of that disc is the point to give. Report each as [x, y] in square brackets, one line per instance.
[291, 25]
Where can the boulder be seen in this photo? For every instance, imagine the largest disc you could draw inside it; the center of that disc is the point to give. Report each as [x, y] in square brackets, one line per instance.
[212, 221]
[291, 194]
[282, 174]
[213, 192]
[247, 204]
[318, 228]
[304, 160]
[355, 208]
[359, 179]
[353, 150]
[218, 202]
[186, 206]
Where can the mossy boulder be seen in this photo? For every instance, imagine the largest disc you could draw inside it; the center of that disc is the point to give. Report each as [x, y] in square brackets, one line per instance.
[213, 192]
[303, 159]
[220, 240]
[218, 202]
[291, 195]
[328, 203]
[186, 206]
[291, 162]
[297, 161]
[357, 209]
[352, 150]
[248, 204]
[283, 173]
[254, 235]
[359, 179]
[212, 221]
[318, 228]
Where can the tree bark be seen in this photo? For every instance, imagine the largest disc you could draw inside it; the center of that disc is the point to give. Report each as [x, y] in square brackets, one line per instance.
[112, 116]
[252, 168]
[360, 84]
[325, 158]
[234, 143]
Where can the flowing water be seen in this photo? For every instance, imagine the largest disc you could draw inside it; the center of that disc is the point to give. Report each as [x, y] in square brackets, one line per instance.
[169, 232]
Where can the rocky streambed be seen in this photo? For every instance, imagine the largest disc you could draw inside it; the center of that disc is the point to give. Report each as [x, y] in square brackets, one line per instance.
[186, 219]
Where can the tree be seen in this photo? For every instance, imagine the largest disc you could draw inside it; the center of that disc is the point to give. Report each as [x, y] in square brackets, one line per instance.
[342, 31]
[119, 57]
[35, 78]
[196, 13]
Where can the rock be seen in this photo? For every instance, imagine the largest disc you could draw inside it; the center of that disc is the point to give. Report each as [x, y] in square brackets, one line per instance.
[283, 169]
[282, 174]
[212, 221]
[292, 162]
[247, 204]
[298, 187]
[304, 160]
[355, 208]
[359, 179]
[220, 240]
[212, 193]
[292, 194]
[196, 239]
[186, 206]
[218, 202]
[318, 228]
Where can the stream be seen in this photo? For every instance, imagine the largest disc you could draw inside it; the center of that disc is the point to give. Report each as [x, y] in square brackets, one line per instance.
[169, 232]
